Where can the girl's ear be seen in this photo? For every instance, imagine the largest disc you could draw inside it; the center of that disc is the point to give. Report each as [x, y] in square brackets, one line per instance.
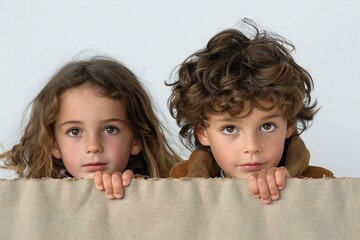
[55, 151]
[201, 134]
[290, 130]
[136, 147]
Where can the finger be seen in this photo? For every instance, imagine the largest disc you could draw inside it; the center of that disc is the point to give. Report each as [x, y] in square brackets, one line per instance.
[108, 186]
[126, 177]
[263, 187]
[272, 184]
[252, 185]
[280, 175]
[98, 181]
[117, 184]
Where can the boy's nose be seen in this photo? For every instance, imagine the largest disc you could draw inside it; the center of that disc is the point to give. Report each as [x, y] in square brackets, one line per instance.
[251, 144]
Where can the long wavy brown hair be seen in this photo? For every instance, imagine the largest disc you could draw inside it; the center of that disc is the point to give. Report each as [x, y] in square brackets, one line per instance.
[234, 69]
[32, 156]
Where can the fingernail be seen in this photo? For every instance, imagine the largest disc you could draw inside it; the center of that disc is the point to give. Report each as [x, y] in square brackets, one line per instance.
[274, 197]
[266, 200]
[257, 196]
[109, 196]
[118, 195]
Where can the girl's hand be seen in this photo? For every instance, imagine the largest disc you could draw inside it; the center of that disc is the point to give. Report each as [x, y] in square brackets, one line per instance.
[113, 183]
[267, 183]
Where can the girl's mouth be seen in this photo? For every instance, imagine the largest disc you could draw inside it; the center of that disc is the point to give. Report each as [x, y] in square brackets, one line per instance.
[93, 167]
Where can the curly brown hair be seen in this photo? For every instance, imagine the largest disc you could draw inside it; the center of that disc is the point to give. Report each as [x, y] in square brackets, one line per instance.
[234, 69]
[32, 156]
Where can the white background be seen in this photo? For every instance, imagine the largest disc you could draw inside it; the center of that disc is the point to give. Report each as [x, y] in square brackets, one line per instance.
[153, 37]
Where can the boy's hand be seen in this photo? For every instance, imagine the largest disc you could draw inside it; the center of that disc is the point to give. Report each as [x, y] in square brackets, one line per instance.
[267, 183]
[113, 183]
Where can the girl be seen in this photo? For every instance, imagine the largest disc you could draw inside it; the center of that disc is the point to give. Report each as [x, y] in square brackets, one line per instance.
[93, 119]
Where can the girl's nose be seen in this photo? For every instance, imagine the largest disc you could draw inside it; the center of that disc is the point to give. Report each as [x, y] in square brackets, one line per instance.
[93, 145]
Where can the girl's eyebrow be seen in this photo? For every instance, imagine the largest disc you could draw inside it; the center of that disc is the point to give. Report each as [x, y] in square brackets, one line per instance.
[103, 121]
[114, 120]
[70, 122]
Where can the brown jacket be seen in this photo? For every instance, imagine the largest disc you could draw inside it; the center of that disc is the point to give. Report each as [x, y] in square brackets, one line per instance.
[202, 164]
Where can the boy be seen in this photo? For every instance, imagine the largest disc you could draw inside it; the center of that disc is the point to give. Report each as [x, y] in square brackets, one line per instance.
[243, 102]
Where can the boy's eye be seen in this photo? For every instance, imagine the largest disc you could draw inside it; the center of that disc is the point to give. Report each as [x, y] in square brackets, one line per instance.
[229, 130]
[268, 127]
[111, 130]
[73, 132]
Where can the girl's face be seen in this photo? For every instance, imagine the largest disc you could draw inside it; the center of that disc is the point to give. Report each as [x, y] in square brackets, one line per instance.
[92, 133]
[245, 145]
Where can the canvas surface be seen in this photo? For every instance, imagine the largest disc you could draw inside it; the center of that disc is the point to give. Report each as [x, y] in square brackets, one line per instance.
[179, 209]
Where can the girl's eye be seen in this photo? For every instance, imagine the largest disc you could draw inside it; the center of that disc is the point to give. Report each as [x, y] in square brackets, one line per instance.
[111, 130]
[74, 132]
[229, 130]
[268, 127]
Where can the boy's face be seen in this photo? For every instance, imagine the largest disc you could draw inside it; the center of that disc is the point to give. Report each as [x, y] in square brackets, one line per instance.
[245, 145]
[92, 134]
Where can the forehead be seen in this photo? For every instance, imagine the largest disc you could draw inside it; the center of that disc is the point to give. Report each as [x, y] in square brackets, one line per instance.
[247, 108]
[84, 101]
[253, 115]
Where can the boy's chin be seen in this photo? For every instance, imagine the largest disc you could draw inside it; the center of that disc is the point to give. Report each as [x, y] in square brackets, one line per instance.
[237, 175]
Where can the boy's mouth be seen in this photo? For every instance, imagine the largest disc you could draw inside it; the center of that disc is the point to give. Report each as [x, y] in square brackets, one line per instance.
[252, 166]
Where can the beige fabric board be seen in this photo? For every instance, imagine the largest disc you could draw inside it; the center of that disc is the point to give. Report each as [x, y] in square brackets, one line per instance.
[179, 209]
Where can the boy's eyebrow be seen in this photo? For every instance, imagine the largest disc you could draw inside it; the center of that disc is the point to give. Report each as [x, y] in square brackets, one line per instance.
[275, 115]
[228, 119]
[231, 119]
